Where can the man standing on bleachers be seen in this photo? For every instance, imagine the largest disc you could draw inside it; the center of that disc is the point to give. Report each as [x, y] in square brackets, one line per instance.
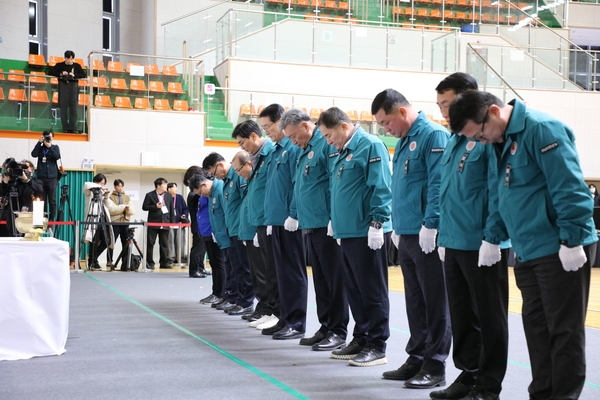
[68, 73]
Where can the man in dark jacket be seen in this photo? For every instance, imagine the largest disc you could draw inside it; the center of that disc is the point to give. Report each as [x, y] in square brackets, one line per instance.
[159, 204]
[181, 214]
[47, 154]
[68, 73]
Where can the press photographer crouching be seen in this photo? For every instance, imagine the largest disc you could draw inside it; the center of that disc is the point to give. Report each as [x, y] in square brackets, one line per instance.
[99, 236]
[17, 191]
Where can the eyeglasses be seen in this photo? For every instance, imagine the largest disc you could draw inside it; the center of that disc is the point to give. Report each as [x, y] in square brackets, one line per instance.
[238, 169]
[485, 118]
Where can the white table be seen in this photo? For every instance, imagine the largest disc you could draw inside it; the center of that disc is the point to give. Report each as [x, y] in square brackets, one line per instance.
[34, 298]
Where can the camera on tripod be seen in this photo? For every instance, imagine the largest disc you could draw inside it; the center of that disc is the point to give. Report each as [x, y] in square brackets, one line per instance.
[64, 190]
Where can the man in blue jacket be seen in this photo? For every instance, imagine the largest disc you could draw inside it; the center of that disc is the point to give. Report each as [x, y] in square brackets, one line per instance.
[313, 203]
[547, 209]
[476, 268]
[361, 201]
[415, 217]
[282, 223]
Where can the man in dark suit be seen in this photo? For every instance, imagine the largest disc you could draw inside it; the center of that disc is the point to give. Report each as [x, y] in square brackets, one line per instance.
[181, 214]
[159, 204]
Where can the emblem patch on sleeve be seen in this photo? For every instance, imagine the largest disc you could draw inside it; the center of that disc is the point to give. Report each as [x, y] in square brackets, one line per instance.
[437, 150]
[549, 147]
[376, 159]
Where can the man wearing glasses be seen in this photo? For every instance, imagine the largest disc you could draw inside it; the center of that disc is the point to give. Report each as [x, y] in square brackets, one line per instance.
[547, 209]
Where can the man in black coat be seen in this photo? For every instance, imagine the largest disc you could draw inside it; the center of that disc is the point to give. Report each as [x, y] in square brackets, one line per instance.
[68, 73]
[159, 204]
[47, 154]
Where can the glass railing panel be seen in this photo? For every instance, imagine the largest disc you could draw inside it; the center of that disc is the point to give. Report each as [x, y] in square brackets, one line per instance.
[444, 53]
[407, 52]
[369, 46]
[332, 43]
[294, 41]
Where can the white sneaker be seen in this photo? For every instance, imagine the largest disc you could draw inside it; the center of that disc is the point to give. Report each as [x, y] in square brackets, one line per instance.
[270, 322]
[259, 321]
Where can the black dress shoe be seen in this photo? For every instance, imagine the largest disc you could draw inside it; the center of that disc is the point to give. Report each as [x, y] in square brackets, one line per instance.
[124, 269]
[166, 266]
[150, 266]
[405, 372]
[255, 316]
[223, 305]
[212, 299]
[287, 333]
[330, 343]
[457, 390]
[425, 380]
[196, 275]
[205, 272]
[215, 305]
[316, 338]
[276, 328]
[239, 310]
[481, 395]
[368, 357]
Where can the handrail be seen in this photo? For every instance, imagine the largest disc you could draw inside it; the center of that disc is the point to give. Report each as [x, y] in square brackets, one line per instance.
[494, 70]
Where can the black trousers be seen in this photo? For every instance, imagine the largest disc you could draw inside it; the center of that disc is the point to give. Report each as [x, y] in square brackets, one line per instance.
[197, 254]
[426, 306]
[288, 253]
[266, 250]
[119, 231]
[67, 101]
[49, 185]
[366, 284]
[163, 241]
[478, 302]
[239, 283]
[218, 261]
[176, 233]
[99, 243]
[259, 279]
[328, 280]
[554, 308]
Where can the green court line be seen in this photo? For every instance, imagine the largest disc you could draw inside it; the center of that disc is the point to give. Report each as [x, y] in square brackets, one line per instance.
[233, 358]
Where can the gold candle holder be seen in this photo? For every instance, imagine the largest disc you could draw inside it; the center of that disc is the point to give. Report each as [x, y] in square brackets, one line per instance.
[24, 224]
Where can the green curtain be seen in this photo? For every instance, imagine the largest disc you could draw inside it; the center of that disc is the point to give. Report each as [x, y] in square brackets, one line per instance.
[72, 208]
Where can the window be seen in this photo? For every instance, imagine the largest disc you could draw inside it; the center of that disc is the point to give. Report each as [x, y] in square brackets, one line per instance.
[37, 27]
[110, 25]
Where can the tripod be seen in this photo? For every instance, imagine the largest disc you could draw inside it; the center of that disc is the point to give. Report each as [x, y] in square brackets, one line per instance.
[64, 205]
[127, 252]
[96, 227]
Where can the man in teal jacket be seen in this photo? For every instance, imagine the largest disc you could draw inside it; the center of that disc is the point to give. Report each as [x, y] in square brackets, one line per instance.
[547, 209]
[476, 269]
[311, 191]
[282, 224]
[360, 217]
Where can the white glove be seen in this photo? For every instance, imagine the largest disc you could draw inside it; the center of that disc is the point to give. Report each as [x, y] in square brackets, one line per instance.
[572, 258]
[442, 253]
[214, 237]
[269, 230]
[396, 239]
[244, 242]
[489, 254]
[339, 242]
[427, 239]
[291, 224]
[255, 241]
[375, 238]
[329, 229]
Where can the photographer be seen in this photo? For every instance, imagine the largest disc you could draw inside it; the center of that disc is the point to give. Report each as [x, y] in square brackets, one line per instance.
[98, 236]
[181, 213]
[47, 154]
[121, 209]
[68, 72]
[17, 191]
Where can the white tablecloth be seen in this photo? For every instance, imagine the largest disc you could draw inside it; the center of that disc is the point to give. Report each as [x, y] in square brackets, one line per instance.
[34, 298]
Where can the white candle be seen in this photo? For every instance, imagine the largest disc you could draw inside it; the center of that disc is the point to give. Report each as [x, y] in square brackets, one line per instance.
[38, 213]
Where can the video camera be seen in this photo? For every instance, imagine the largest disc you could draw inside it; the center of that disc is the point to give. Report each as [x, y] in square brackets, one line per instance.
[14, 169]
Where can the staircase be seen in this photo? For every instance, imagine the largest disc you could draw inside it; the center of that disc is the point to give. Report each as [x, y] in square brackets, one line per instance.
[218, 126]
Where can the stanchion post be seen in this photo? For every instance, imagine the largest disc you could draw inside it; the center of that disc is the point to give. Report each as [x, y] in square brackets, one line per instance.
[144, 242]
[77, 267]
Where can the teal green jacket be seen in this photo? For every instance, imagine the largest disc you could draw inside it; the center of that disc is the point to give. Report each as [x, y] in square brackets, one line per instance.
[246, 230]
[468, 196]
[360, 187]
[543, 198]
[280, 183]
[216, 214]
[257, 186]
[416, 179]
[311, 188]
[233, 188]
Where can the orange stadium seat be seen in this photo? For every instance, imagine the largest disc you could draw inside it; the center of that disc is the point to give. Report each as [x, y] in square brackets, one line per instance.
[137, 84]
[315, 113]
[55, 60]
[39, 96]
[38, 77]
[162, 104]
[17, 95]
[118, 84]
[1, 94]
[115, 66]
[180, 105]
[142, 103]
[122, 102]
[151, 69]
[175, 88]
[83, 99]
[98, 65]
[55, 97]
[37, 60]
[170, 70]
[157, 86]
[247, 110]
[102, 101]
[16, 78]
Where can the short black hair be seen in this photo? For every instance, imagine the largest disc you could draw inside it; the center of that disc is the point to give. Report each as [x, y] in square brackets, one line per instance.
[332, 117]
[246, 129]
[273, 111]
[48, 132]
[389, 99]
[69, 54]
[459, 82]
[159, 181]
[471, 105]
[211, 159]
[197, 179]
[118, 182]
[99, 178]
[171, 184]
[191, 171]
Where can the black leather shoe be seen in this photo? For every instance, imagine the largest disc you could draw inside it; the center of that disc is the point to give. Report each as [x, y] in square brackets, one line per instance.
[368, 357]
[166, 266]
[316, 338]
[457, 390]
[150, 266]
[255, 316]
[196, 275]
[348, 352]
[481, 395]
[225, 306]
[424, 380]
[215, 305]
[270, 331]
[239, 310]
[124, 269]
[405, 372]
[287, 333]
[330, 343]
[212, 299]
[205, 272]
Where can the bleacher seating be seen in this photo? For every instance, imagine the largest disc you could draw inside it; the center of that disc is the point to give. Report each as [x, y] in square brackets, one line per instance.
[39, 96]
[142, 103]
[16, 78]
[122, 102]
[37, 60]
[180, 105]
[162, 104]
[102, 101]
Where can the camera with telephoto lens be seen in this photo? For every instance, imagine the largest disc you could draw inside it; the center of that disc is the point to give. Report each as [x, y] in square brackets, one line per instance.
[13, 168]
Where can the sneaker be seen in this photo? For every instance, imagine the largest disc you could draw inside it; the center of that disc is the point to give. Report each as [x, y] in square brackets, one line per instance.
[368, 357]
[270, 322]
[348, 352]
[225, 306]
[259, 321]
